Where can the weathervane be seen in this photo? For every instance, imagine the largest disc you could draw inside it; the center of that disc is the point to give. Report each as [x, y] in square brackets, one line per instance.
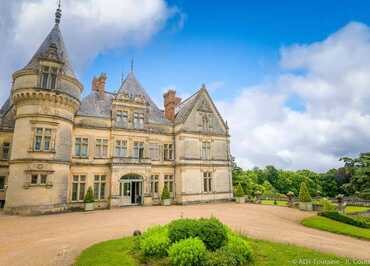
[132, 65]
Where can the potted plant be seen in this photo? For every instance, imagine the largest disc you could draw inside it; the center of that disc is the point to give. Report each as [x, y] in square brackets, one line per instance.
[290, 196]
[166, 197]
[89, 200]
[258, 196]
[239, 194]
[305, 200]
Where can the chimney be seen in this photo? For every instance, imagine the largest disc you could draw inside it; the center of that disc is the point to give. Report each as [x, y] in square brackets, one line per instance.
[98, 84]
[170, 103]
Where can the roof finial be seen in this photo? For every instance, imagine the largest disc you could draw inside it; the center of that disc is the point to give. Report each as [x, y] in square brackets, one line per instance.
[58, 13]
[132, 65]
[122, 77]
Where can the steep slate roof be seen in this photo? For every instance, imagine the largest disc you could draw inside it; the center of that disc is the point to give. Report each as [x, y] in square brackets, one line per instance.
[53, 43]
[96, 106]
[185, 107]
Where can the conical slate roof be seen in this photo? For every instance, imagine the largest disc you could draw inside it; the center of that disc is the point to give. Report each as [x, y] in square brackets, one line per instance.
[52, 48]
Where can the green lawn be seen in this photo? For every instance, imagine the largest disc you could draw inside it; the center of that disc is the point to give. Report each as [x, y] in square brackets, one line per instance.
[271, 202]
[327, 224]
[352, 209]
[119, 252]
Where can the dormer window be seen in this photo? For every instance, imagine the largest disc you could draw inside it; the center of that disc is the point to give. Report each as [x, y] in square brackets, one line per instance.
[48, 77]
[121, 119]
[138, 120]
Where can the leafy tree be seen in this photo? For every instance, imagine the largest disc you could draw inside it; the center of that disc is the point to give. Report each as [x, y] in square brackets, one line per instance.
[359, 170]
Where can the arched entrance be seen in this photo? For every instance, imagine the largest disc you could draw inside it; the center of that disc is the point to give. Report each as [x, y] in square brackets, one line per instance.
[131, 189]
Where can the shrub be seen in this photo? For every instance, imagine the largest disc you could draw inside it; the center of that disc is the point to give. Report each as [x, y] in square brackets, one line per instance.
[365, 194]
[165, 193]
[220, 257]
[239, 192]
[211, 231]
[304, 194]
[238, 248]
[154, 242]
[327, 205]
[89, 197]
[188, 252]
[345, 219]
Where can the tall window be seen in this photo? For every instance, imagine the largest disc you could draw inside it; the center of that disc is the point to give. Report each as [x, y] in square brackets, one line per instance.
[42, 141]
[154, 182]
[99, 187]
[78, 187]
[138, 120]
[154, 152]
[121, 148]
[48, 77]
[205, 122]
[139, 150]
[101, 148]
[168, 181]
[121, 118]
[81, 147]
[168, 152]
[207, 182]
[6, 150]
[206, 150]
[39, 179]
[2, 183]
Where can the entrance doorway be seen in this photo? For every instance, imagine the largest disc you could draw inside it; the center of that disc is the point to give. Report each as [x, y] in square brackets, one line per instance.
[131, 190]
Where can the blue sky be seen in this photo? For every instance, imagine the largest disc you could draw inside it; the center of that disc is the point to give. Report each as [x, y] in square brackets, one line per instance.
[230, 45]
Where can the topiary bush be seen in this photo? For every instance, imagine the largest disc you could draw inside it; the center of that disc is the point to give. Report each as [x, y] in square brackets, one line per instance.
[239, 192]
[304, 194]
[334, 215]
[188, 252]
[165, 193]
[220, 257]
[327, 205]
[89, 197]
[211, 231]
[154, 242]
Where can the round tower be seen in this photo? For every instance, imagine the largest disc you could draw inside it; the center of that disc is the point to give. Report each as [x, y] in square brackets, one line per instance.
[46, 96]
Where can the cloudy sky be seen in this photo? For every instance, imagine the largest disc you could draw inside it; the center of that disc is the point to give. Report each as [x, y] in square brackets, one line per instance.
[292, 79]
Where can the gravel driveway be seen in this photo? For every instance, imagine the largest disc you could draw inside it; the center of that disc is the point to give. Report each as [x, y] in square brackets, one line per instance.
[58, 239]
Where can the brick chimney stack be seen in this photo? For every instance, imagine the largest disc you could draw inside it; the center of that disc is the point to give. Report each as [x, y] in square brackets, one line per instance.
[98, 84]
[170, 103]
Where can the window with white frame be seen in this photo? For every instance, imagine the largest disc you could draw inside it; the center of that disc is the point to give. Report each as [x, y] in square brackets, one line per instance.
[168, 181]
[154, 152]
[154, 184]
[48, 77]
[39, 179]
[207, 182]
[168, 152]
[81, 147]
[101, 148]
[99, 187]
[6, 150]
[42, 139]
[138, 150]
[122, 119]
[138, 120]
[206, 150]
[121, 148]
[78, 187]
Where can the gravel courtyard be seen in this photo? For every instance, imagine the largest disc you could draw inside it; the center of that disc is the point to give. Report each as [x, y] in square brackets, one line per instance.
[58, 239]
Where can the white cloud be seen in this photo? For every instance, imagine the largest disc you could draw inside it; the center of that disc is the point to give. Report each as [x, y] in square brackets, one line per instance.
[89, 27]
[334, 86]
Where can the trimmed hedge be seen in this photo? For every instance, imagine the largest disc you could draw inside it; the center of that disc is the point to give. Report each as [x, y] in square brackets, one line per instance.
[154, 242]
[238, 248]
[304, 194]
[188, 252]
[211, 231]
[221, 257]
[345, 219]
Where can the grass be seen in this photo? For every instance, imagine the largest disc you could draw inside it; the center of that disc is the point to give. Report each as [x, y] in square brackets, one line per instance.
[265, 253]
[329, 225]
[353, 209]
[271, 202]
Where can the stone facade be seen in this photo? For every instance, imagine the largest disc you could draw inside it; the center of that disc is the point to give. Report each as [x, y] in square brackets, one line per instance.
[55, 145]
